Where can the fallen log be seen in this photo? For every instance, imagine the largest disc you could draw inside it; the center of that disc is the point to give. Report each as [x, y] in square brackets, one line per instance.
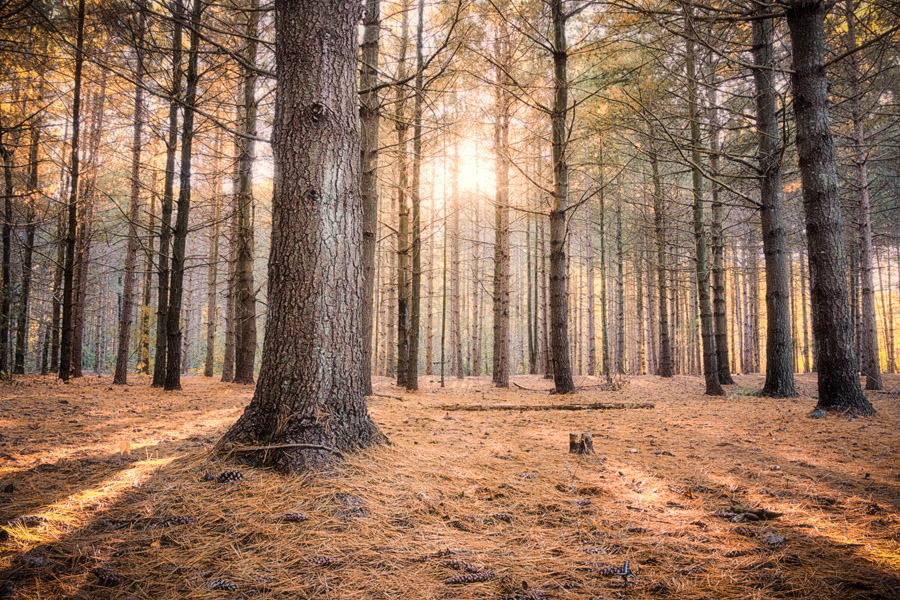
[530, 407]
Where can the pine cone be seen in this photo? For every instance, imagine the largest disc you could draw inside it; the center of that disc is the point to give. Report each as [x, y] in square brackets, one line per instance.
[502, 516]
[29, 521]
[461, 565]
[229, 476]
[293, 517]
[222, 584]
[323, 561]
[107, 576]
[471, 578]
[175, 520]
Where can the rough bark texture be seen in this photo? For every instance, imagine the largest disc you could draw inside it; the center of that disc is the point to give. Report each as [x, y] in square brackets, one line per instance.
[179, 235]
[212, 273]
[710, 363]
[869, 355]
[65, 358]
[403, 206]
[559, 305]
[839, 388]
[500, 372]
[415, 297]
[370, 115]
[312, 392]
[779, 369]
[244, 286]
[6, 290]
[165, 227]
[128, 293]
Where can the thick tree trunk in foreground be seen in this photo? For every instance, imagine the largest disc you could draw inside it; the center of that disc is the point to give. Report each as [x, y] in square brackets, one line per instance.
[65, 357]
[839, 388]
[779, 368]
[559, 305]
[244, 286]
[312, 394]
[710, 363]
[179, 235]
[124, 341]
[500, 371]
[370, 115]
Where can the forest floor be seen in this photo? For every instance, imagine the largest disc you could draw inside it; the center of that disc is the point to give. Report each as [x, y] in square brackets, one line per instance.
[102, 494]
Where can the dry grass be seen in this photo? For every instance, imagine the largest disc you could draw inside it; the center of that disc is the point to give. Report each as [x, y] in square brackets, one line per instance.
[101, 469]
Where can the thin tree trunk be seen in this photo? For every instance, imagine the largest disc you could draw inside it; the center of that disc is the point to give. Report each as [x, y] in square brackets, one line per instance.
[665, 364]
[370, 115]
[213, 273]
[403, 249]
[65, 360]
[500, 371]
[128, 292]
[710, 363]
[165, 227]
[839, 388]
[244, 290]
[412, 377]
[620, 295]
[179, 235]
[144, 323]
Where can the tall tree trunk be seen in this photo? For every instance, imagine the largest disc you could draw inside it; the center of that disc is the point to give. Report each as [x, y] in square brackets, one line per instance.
[124, 341]
[403, 250]
[212, 275]
[545, 305]
[639, 294]
[65, 359]
[500, 372]
[869, 354]
[144, 322]
[620, 295]
[604, 297]
[559, 309]
[245, 292]
[412, 376]
[179, 235]
[720, 308]
[666, 366]
[165, 226]
[370, 116]
[779, 370]
[710, 363]
[590, 274]
[839, 388]
[309, 404]
[6, 290]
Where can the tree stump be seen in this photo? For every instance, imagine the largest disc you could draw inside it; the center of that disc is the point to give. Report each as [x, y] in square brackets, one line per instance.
[583, 444]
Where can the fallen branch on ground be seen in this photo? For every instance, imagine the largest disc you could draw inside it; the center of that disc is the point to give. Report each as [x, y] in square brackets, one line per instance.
[528, 407]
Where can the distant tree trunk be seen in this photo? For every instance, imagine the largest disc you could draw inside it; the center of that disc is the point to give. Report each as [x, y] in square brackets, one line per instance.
[412, 376]
[456, 341]
[56, 303]
[639, 295]
[500, 371]
[403, 250]
[620, 295]
[590, 274]
[6, 277]
[604, 297]
[144, 322]
[124, 341]
[559, 309]
[310, 396]
[370, 116]
[779, 370]
[231, 260]
[839, 388]
[165, 227]
[665, 364]
[179, 236]
[710, 363]
[870, 357]
[65, 360]
[429, 314]
[245, 292]
[720, 308]
[212, 280]
[30, 228]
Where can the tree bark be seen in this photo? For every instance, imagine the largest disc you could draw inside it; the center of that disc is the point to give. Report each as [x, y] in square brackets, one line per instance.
[124, 342]
[710, 363]
[312, 393]
[370, 116]
[500, 371]
[839, 388]
[779, 369]
[212, 273]
[65, 359]
[245, 292]
[665, 365]
[559, 309]
[165, 227]
[179, 235]
[403, 250]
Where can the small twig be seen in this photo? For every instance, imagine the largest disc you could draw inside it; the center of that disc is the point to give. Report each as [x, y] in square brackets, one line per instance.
[284, 446]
